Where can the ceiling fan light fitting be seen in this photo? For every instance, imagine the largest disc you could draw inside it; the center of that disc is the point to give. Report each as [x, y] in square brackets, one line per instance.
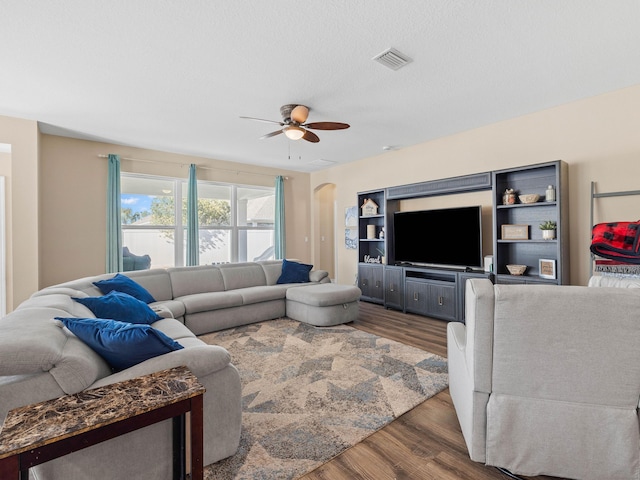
[293, 132]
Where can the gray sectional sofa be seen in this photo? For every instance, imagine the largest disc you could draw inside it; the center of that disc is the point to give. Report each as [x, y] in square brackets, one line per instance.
[40, 360]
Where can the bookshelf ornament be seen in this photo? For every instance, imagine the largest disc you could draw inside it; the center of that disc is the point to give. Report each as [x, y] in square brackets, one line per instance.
[369, 208]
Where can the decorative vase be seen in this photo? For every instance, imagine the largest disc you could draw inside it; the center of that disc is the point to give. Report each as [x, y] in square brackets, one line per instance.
[509, 198]
[548, 234]
[371, 232]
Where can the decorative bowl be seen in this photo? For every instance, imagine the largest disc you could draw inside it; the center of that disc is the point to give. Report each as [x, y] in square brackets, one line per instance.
[516, 269]
[529, 198]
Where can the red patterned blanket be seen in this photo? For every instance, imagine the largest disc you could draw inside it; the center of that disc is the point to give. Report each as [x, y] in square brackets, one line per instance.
[617, 241]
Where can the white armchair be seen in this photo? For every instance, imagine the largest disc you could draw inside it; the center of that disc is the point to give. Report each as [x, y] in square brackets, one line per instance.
[545, 380]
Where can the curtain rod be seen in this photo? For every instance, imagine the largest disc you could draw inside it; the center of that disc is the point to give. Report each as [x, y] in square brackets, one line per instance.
[237, 172]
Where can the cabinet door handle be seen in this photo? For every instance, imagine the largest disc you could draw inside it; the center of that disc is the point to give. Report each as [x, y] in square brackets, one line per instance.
[364, 283]
[415, 296]
[440, 300]
[391, 288]
[377, 283]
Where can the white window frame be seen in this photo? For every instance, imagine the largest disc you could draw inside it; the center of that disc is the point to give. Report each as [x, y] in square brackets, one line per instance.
[179, 228]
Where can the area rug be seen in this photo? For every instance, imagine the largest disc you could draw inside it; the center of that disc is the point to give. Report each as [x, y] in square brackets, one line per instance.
[309, 393]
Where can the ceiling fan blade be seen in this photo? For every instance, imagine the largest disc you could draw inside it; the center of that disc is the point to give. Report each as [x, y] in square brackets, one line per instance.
[300, 114]
[310, 137]
[272, 134]
[263, 120]
[326, 125]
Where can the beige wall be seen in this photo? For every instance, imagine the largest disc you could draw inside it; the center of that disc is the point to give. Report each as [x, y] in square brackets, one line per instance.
[21, 169]
[598, 137]
[56, 228]
[73, 192]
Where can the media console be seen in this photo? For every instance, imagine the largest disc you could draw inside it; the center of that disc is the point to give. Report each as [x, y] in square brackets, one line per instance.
[432, 292]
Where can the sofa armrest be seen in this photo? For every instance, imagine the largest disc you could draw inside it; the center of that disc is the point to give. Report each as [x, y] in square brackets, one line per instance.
[320, 276]
[202, 360]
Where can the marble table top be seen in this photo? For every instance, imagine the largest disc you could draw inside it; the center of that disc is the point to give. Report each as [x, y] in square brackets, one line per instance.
[46, 422]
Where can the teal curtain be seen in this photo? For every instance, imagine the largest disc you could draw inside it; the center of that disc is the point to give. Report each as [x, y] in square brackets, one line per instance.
[280, 245]
[193, 257]
[114, 223]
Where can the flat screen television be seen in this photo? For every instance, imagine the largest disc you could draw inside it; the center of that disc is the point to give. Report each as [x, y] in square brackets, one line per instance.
[443, 237]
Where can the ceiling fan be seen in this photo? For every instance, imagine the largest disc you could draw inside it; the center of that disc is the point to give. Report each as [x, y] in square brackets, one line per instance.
[293, 126]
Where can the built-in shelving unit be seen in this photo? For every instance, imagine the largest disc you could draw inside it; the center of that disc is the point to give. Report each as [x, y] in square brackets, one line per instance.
[533, 179]
[372, 245]
[439, 292]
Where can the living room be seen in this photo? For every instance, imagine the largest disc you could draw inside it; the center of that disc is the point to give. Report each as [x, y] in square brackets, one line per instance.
[592, 135]
[53, 237]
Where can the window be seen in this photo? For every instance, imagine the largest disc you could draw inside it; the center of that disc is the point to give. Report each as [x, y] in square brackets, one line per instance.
[236, 222]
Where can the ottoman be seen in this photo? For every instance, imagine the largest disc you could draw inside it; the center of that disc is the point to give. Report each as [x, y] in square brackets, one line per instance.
[323, 305]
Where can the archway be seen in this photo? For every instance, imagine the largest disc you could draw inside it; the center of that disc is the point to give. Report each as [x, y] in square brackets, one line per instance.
[324, 241]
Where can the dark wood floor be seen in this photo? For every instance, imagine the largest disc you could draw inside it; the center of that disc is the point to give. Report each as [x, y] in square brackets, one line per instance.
[424, 443]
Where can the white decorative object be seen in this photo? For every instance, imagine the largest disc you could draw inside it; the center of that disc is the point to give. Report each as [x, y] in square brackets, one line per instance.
[516, 269]
[529, 198]
[548, 234]
[488, 263]
[370, 259]
[371, 232]
[369, 208]
[550, 194]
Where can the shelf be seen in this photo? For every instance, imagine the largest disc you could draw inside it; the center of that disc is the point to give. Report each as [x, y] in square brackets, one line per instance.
[529, 241]
[527, 205]
[364, 217]
[372, 239]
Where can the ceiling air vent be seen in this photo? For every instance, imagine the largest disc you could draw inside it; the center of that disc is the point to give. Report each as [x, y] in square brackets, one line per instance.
[392, 58]
[322, 162]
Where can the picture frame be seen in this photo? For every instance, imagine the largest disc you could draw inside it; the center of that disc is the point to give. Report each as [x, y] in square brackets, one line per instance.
[351, 238]
[515, 232]
[547, 268]
[351, 216]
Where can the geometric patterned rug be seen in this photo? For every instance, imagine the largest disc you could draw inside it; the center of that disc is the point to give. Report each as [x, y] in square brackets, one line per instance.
[309, 393]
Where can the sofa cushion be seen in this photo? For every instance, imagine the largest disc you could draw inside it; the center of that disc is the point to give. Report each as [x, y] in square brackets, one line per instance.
[201, 302]
[272, 270]
[174, 329]
[122, 283]
[120, 306]
[156, 281]
[199, 279]
[242, 275]
[294, 272]
[262, 294]
[121, 344]
[325, 294]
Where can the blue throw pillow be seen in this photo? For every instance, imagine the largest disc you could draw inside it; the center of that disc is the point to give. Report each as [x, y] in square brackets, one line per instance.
[121, 344]
[122, 283]
[294, 272]
[120, 306]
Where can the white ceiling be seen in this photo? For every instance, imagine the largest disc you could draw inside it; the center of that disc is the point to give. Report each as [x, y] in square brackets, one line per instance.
[176, 75]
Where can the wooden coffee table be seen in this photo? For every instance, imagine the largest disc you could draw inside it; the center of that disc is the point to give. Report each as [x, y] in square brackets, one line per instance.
[37, 433]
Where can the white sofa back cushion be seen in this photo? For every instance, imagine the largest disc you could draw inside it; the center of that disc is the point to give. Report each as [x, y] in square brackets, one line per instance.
[190, 280]
[242, 275]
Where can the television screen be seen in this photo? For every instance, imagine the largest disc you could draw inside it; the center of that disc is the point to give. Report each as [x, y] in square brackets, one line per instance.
[448, 237]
